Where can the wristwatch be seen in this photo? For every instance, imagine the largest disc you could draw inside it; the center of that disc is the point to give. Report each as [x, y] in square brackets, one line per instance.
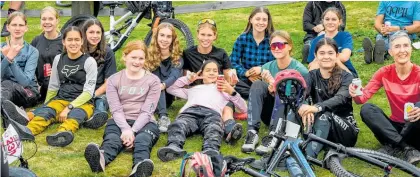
[318, 107]
[70, 106]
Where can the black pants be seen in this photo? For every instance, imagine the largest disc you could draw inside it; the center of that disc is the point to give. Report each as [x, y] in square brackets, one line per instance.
[327, 125]
[243, 88]
[388, 131]
[165, 100]
[197, 119]
[260, 105]
[16, 93]
[145, 139]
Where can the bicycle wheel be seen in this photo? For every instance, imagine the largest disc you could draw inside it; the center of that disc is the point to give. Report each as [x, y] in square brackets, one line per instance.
[77, 20]
[400, 167]
[181, 26]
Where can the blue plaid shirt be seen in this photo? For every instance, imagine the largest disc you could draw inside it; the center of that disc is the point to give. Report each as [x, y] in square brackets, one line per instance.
[247, 54]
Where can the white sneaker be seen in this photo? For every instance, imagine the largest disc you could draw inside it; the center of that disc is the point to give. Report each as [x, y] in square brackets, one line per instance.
[268, 143]
[251, 140]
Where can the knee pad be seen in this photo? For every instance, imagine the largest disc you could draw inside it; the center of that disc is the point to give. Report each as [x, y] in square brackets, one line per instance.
[45, 112]
[78, 114]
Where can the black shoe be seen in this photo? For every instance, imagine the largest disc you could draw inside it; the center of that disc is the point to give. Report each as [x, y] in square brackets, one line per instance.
[95, 158]
[305, 53]
[235, 134]
[143, 169]
[60, 139]
[97, 120]
[379, 52]
[387, 149]
[368, 48]
[411, 155]
[16, 113]
[23, 131]
[4, 31]
[170, 152]
[211, 152]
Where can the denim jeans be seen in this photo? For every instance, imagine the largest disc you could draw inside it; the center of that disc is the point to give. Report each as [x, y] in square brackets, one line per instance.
[101, 104]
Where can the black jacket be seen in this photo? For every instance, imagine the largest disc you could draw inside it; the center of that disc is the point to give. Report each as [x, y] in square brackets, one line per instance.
[339, 103]
[312, 16]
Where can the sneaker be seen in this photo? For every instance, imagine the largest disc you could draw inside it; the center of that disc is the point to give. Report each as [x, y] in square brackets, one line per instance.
[16, 113]
[411, 155]
[379, 51]
[251, 140]
[240, 116]
[387, 149]
[210, 152]
[235, 134]
[268, 143]
[60, 139]
[170, 152]
[305, 53]
[24, 132]
[143, 168]
[4, 31]
[97, 120]
[95, 158]
[368, 49]
[163, 123]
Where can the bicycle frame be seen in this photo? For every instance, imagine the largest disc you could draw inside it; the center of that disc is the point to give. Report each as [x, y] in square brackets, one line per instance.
[109, 34]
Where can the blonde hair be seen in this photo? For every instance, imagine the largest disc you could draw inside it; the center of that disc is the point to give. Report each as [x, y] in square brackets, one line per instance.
[155, 58]
[285, 35]
[208, 25]
[54, 12]
[14, 15]
[135, 45]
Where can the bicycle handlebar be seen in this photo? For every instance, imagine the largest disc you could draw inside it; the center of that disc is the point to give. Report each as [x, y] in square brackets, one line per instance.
[252, 172]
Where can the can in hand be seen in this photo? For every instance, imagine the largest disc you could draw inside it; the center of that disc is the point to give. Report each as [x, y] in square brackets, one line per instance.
[47, 69]
[358, 83]
[407, 108]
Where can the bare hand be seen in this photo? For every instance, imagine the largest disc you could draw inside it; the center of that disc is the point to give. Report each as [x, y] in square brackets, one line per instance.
[303, 108]
[271, 88]
[308, 119]
[63, 115]
[194, 76]
[267, 77]
[13, 51]
[162, 86]
[256, 70]
[127, 137]
[414, 114]
[318, 28]
[385, 30]
[254, 78]
[5, 50]
[313, 65]
[224, 86]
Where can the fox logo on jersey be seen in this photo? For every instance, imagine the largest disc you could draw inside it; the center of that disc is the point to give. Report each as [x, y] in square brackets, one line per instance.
[69, 70]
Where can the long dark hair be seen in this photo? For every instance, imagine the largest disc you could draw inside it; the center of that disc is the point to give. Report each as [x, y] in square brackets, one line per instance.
[334, 81]
[66, 31]
[100, 51]
[270, 26]
[205, 63]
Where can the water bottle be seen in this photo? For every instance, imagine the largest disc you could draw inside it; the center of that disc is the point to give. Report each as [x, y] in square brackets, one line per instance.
[293, 167]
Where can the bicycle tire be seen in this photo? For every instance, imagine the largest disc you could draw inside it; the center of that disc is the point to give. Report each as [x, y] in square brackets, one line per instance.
[77, 20]
[181, 26]
[337, 169]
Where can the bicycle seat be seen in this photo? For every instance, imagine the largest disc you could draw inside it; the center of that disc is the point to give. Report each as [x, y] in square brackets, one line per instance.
[233, 159]
[112, 3]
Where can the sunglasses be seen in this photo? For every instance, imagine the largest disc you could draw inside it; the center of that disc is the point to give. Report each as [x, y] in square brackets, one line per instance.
[279, 45]
[207, 20]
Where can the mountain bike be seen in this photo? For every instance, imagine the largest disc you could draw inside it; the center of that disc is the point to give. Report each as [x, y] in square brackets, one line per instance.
[162, 12]
[294, 147]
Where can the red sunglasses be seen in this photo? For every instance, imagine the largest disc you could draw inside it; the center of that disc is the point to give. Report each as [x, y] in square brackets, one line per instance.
[279, 45]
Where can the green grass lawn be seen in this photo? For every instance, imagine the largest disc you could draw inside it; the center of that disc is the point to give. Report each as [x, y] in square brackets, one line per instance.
[69, 161]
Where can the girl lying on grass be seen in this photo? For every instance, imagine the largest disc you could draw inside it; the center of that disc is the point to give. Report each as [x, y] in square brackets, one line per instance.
[202, 112]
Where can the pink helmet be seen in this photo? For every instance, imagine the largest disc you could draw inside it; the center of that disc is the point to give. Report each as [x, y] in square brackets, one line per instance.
[290, 86]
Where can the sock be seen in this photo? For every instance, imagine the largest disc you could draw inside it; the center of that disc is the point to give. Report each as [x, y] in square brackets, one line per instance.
[229, 125]
[10, 11]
